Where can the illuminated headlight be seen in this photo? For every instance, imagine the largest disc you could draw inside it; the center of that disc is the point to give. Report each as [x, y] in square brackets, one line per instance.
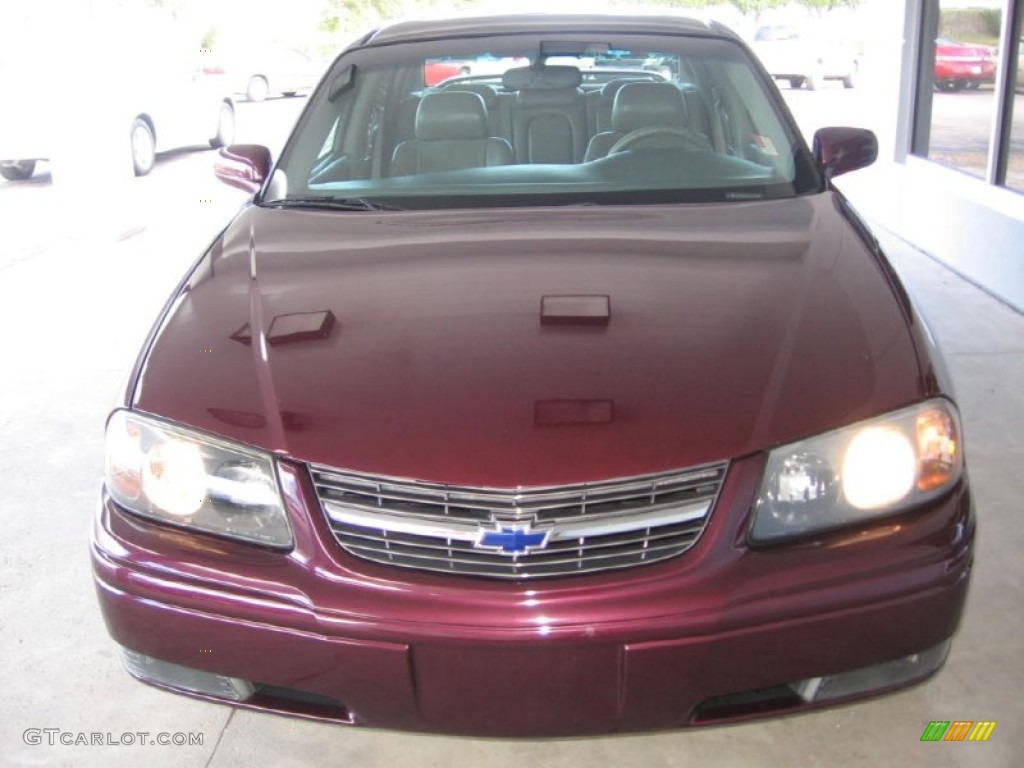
[859, 473]
[175, 475]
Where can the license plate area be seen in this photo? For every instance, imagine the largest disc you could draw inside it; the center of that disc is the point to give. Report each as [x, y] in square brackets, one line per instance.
[515, 691]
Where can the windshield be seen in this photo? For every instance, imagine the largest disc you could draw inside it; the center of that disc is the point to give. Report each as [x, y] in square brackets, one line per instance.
[523, 120]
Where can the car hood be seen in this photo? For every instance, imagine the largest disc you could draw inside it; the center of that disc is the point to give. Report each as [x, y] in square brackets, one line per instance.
[413, 344]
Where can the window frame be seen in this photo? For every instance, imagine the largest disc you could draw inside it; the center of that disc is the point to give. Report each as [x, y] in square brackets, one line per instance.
[1005, 96]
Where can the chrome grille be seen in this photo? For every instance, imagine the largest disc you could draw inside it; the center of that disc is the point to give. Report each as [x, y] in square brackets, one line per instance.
[519, 533]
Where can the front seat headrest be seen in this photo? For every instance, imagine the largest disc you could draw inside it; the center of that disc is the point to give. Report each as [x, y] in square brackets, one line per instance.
[451, 115]
[638, 105]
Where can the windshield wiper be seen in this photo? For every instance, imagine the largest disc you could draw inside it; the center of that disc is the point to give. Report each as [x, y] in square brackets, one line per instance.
[331, 203]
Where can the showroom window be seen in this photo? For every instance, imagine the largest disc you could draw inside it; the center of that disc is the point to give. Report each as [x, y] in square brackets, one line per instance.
[969, 111]
[1014, 175]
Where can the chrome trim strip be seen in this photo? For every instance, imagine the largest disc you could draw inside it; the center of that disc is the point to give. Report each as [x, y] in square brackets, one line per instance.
[596, 525]
[605, 525]
[368, 539]
[383, 521]
[502, 566]
[492, 495]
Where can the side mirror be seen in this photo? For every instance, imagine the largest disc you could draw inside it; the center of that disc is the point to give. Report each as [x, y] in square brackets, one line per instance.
[840, 150]
[245, 166]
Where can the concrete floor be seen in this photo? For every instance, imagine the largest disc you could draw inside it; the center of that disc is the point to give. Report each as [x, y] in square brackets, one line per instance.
[73, 312]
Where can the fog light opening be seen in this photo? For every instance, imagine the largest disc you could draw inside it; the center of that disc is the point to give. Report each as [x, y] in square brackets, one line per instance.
[878, 677]
[808, 689]
[159, 672]
[813, 690]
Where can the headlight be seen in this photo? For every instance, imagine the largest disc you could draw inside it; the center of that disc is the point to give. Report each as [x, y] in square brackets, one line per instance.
[859, 473]
[172, 474]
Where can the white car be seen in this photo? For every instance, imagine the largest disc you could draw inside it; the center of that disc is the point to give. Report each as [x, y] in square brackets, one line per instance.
[805, 57]
[178, 115]
[264, 71]
[155, 92]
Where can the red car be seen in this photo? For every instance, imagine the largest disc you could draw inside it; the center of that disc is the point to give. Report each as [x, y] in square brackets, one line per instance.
[561, 422]
[959, 66]
[438, 71]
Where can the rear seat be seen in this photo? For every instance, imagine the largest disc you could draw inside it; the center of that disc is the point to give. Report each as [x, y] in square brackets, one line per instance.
[548, 118]
[549, 114]
[499, 115]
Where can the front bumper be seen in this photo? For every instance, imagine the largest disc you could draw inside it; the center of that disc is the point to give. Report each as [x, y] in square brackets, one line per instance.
[719, 634]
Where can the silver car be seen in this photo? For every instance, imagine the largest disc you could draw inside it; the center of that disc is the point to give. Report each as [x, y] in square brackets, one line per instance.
[155, 95]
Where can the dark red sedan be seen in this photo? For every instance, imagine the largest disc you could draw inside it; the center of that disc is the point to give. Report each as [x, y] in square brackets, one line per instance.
[538, 406]
[959, 66]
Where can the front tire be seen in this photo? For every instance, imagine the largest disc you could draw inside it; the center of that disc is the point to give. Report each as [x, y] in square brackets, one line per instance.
[852, 77]
[18, 170]
[815, 78]
[143, 144]
[225, 127]
[257, 89]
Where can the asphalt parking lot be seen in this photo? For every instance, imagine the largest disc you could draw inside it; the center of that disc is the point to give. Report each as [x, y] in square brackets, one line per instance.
[80, 282]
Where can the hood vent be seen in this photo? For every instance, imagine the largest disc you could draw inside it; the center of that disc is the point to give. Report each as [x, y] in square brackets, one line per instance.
[575, 310]
[553, 413]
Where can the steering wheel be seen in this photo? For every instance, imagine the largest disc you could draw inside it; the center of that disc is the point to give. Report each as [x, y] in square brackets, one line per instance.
[679, 136]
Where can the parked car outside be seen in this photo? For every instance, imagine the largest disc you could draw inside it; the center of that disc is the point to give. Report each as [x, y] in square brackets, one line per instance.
[959, 66]
[460, 426]
[489, 64]
[176, 107]
[806, 56]
[273, 70]
[438, 70]
[169, 97]
[665, 67]
[21, 144]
